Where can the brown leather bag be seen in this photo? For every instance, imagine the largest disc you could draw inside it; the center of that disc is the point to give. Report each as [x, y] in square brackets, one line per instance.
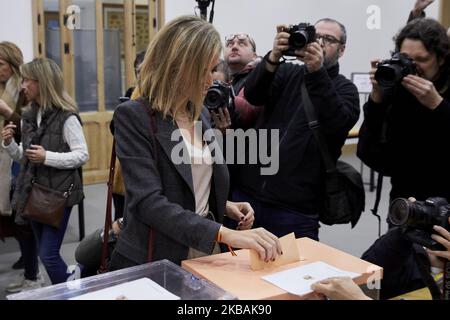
[46, 205]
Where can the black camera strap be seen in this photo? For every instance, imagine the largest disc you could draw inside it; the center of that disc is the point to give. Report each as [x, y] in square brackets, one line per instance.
[423, 265]
[446, 281]
[314, 125]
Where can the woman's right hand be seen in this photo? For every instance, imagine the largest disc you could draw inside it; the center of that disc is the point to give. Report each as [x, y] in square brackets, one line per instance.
[377, 94]
[262, 241]
[8, 133]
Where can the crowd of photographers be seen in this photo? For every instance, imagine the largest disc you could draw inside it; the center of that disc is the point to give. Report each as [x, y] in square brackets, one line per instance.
[405, 129]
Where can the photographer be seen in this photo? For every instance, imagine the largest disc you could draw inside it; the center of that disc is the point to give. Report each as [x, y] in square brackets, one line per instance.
[410, 118]
[415, 249]
[240, 59]
[289, 200]
[400, 259]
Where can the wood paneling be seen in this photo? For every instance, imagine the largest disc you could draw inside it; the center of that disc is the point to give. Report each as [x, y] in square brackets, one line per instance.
[130, 42]
[38, 29]
[99, 141]
[96, 124]
[66, 45]
[100, 55]
[445, 13]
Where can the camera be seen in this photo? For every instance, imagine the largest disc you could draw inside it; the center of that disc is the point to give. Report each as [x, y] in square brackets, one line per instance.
[123, 99]
[301, 35]
[392, 71]
[418, 218]
[219, 95]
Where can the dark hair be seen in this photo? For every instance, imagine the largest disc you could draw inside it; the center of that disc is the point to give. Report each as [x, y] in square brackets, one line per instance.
[138, 60]
[222, 66]
[343, 29]
[430, 32]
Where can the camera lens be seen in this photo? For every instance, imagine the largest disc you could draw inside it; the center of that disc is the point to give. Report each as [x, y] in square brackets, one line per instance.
[214, 99]
[399, 211]
[298, 39]
[388, 75]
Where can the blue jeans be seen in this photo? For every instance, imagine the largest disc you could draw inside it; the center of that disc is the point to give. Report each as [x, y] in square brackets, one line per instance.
[26, 239]
[279, 221]
[49, 240]
[28, 249]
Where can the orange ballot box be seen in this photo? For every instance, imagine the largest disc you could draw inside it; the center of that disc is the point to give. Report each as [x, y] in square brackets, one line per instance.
[234, 273]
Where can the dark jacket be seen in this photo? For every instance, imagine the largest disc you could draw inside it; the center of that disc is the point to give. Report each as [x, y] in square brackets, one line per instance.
[50, 136]
[159, 194]
[298, 185]
[416, 141]
[400, 260]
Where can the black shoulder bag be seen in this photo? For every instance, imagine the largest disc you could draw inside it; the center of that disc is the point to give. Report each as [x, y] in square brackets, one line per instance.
[344, 200]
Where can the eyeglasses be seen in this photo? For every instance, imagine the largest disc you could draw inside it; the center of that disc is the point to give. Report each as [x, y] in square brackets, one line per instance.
[327, 39]
[239, 36]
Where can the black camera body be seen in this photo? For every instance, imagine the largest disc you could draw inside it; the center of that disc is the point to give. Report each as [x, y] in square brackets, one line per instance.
[219, 95]
[418, 218]
[123, 99]
[391, 72]
[300, 35]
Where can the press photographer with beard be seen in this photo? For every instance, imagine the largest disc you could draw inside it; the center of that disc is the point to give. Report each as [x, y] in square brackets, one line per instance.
[289, 200]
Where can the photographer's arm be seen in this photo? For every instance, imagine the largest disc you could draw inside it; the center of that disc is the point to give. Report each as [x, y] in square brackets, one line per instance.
[419, 9]
[337, 103]
[374, 109]
[263, 82]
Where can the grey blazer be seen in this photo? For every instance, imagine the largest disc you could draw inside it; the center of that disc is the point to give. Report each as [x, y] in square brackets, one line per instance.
[159, 194]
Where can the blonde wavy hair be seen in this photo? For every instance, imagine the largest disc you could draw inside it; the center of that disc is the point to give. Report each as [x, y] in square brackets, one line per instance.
[51, 88]
[12, 55]
[176, 64]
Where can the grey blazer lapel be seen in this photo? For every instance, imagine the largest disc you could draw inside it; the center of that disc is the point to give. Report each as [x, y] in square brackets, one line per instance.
[164, 130]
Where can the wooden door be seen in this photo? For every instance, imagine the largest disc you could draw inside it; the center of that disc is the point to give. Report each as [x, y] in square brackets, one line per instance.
[96, 54]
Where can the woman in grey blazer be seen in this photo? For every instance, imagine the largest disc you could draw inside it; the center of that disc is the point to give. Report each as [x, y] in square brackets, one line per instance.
[175, 185]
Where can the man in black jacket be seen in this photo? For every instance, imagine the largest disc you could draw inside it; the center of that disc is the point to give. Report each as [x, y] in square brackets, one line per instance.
[289, 200]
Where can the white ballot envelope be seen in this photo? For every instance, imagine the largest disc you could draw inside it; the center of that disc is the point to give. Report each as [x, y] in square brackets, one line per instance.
[141, 289]
[298, 280]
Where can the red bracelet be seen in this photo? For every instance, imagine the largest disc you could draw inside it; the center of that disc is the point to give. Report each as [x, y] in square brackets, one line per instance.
[219, 240]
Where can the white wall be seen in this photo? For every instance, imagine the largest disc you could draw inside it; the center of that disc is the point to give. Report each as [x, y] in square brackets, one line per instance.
[259, 17]
[16, 25]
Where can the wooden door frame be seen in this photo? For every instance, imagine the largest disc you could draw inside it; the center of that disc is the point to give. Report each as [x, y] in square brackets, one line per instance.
[444, 15]
[38, 28]
[96, 126]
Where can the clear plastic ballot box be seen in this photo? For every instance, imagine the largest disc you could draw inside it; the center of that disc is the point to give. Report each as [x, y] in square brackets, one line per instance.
[160, 276]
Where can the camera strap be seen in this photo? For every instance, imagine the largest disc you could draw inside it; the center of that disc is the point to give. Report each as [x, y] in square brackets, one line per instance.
[446, 281]
[424, 269]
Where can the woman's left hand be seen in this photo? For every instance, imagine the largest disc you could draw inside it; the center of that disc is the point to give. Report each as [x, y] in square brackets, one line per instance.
[242, 212]
[36, 154]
